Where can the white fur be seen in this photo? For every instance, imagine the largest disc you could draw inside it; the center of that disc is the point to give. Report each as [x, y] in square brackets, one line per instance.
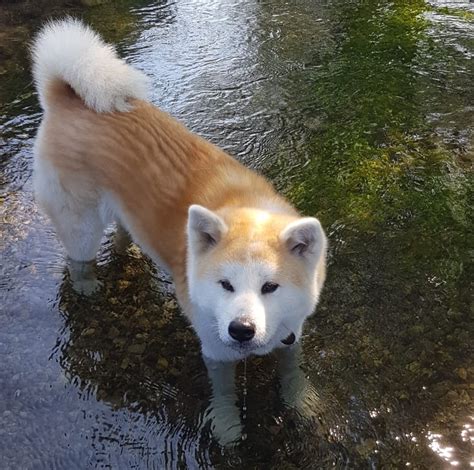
[204, 227]
[275, 315]
[79, 223]
[307, 234]
[70, 51]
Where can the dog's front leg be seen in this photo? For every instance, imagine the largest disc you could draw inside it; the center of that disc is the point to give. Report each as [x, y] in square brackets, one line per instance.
[223, 411]
[296, 390]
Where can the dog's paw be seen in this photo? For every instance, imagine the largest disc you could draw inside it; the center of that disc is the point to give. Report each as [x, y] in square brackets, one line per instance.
[226, 425]
[86, 287]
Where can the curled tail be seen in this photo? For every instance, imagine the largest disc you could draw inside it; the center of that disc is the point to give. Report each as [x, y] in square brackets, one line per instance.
[70, 52]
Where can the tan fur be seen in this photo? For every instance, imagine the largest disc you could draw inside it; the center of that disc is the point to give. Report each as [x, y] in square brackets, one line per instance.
[254, 235]
[156, 169]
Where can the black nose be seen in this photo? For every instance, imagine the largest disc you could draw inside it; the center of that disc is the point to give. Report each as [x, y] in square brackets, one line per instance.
[242, 330]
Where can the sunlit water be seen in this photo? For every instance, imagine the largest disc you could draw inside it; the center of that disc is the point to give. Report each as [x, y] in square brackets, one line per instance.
[362, 113]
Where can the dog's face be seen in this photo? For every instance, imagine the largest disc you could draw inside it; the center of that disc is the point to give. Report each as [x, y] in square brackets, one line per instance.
[254, 277]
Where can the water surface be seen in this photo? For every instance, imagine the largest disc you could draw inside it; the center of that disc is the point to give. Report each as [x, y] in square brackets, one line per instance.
[362, 114]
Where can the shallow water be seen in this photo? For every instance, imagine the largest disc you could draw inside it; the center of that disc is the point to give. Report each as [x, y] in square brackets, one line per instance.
[362, 113]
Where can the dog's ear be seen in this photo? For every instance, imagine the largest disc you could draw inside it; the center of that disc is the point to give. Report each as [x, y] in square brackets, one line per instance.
[205, 228]
[304, 237]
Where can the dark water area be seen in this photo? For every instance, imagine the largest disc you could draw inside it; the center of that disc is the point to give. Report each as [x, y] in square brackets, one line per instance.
[362, 113]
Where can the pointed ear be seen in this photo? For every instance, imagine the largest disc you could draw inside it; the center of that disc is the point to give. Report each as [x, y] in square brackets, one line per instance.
[205, 228]
[304, 237]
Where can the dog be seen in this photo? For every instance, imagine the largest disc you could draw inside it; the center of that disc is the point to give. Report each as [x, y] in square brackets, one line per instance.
[247, 267]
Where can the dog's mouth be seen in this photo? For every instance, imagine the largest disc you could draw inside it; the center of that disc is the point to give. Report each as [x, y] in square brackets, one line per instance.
[290, 339]
[250, 347]
[243, 347]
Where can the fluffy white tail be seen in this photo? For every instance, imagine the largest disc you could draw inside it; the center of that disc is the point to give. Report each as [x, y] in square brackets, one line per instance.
[69, 51]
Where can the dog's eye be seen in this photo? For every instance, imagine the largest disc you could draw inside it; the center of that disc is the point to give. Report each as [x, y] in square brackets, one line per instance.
[269, 287]
[227, 285]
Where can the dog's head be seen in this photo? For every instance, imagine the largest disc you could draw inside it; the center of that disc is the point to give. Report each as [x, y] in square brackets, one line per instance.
[253, 276]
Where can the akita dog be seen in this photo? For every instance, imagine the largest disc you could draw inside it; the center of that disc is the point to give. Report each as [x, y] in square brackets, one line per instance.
[248, 268]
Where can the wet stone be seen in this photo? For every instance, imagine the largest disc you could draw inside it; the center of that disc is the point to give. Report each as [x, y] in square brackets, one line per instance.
[89, 332]
[413, 366]
[113, 332]
[170, 305]
[137, 348]
[124, 363]
[122, 284]
[452, 395]
[366, 447]
[162, 363]
[464, 397]
[120, 342]
[462, 373]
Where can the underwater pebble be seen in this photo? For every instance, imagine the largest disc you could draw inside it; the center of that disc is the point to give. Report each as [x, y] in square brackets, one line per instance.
[366, 447]
[161, 323]
[144, 323]
[413, 366]
[170, 305]
[464, 397]
[137, 348]
[114, 332]
[452, 395]
[175, 372]
[162, 363]
[124, 363]
[123, 284]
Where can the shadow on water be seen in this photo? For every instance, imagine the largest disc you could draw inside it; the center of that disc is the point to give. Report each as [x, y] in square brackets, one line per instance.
[362, 113]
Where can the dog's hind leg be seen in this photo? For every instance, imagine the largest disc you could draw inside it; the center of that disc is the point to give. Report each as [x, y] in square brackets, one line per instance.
[78, 224]
[80, 232]
[84, 277]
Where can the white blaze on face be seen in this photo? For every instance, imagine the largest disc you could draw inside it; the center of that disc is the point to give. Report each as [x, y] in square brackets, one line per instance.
[274, 315]
[246, 303]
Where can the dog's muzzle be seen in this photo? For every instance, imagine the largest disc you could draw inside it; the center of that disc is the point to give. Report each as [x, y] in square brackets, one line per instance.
[290, 339]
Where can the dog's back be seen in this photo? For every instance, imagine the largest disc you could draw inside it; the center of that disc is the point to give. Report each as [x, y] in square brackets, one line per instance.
[104, 153]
